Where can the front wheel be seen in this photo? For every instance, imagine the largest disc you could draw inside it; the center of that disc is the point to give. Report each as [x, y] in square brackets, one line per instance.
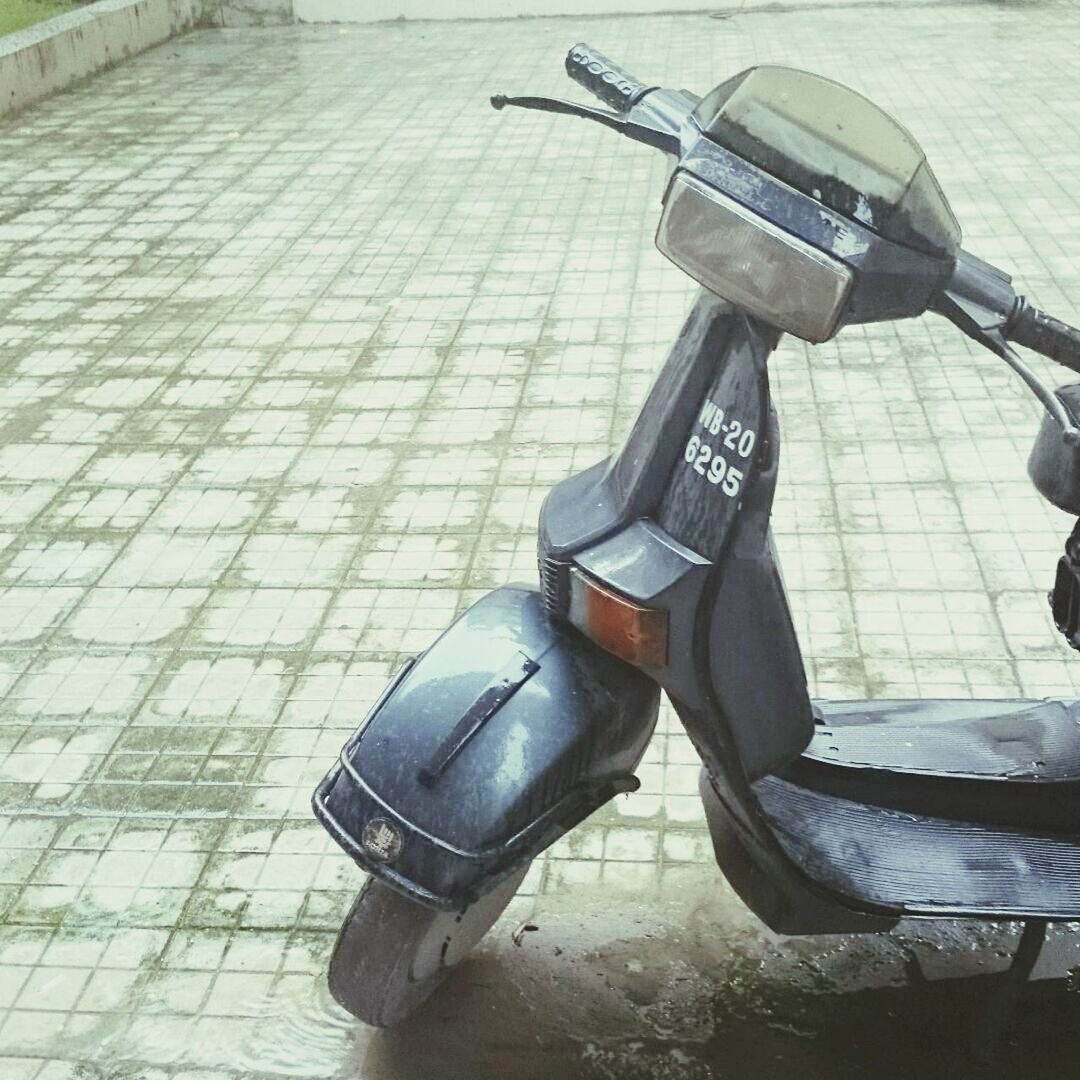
[392, 953]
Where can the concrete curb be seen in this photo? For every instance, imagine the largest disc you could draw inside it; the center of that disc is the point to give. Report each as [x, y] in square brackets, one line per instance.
[54, 54]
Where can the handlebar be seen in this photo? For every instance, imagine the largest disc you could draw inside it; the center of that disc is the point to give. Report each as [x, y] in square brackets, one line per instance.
[604, 78]
[978, 298]
[1034, 329]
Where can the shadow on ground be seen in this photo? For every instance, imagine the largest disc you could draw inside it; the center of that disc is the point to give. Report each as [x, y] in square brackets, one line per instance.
[687, 992]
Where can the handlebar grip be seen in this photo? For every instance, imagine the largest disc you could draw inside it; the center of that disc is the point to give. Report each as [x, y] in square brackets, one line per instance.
[604, 78]
[1054, 339]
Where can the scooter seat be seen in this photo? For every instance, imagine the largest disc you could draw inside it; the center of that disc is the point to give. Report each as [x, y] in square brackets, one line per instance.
[1009, 764]
[891, 861]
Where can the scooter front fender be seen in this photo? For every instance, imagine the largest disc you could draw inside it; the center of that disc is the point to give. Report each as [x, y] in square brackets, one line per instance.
[505, 733]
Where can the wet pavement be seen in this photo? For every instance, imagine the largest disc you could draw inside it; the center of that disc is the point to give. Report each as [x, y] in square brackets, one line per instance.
[295, 332]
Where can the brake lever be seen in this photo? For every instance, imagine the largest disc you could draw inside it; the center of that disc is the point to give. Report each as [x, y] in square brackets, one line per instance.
[560, 105]
[639, 124]
[980, 302]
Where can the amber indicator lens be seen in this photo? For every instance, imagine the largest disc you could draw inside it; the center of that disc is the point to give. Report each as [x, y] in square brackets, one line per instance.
[638, 635]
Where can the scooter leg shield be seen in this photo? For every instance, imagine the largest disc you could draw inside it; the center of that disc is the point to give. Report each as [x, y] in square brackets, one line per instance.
[505, 733]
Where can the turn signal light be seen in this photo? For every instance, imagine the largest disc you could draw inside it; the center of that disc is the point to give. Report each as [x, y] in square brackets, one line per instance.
[638, 635]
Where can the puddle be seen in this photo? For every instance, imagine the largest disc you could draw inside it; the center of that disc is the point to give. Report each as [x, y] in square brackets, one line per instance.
[295, 1030]
[625, 991]
[610, 986]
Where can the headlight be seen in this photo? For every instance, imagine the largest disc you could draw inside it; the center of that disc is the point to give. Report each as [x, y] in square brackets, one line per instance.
[745, 259]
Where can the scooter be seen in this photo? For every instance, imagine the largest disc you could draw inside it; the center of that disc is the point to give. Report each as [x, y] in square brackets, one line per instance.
[799, 207]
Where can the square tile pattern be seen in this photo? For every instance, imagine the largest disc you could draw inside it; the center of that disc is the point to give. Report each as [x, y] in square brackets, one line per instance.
[295, 333]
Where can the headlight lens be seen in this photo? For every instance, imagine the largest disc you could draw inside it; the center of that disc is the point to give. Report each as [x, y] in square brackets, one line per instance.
[749, 261]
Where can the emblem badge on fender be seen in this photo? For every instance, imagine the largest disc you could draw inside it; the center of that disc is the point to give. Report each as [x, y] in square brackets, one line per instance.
[381, 839]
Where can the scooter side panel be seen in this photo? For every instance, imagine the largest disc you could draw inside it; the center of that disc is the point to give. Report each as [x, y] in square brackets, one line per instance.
[756, 664]
[720, 443]
[588, 506]
[696, 480]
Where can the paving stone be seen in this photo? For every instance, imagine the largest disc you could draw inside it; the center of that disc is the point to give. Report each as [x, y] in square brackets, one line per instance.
[294, 338]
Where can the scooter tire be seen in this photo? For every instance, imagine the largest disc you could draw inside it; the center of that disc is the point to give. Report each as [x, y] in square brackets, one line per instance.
[392, 953]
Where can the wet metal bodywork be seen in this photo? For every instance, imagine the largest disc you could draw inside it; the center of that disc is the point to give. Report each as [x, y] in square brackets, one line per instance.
[553, 744]
[505, 733]
[654, 525]
[514, 725]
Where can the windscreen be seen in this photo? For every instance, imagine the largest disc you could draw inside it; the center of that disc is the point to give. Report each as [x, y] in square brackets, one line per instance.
[835, 146]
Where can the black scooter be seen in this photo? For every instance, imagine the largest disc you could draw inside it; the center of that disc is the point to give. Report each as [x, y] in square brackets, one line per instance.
[801, 208]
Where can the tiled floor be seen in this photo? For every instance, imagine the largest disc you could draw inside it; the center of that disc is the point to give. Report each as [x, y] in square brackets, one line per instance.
[295, 332]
